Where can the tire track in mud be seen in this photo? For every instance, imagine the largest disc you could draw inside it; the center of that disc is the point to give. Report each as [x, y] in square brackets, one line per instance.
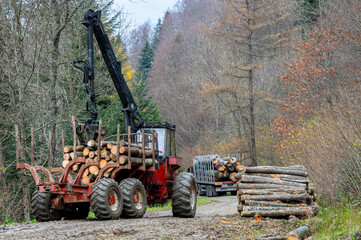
[154, 225]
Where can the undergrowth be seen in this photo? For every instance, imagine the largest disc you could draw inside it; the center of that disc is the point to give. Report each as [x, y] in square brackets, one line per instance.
[338, 221]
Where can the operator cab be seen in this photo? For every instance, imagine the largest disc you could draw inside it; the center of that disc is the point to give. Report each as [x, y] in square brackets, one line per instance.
[165, 133]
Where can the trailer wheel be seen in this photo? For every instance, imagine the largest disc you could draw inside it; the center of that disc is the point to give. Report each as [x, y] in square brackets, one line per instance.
[78, 211]
[106, 199]
[41, 208]
[200, 191]
[184, 195]
[134, 198]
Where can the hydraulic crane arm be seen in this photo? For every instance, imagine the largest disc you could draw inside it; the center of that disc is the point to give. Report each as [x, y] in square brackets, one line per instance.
[95, 28]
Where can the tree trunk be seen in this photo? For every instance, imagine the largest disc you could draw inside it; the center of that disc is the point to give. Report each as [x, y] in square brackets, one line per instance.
[276, 170]
[300, 233]
[258, 179]
[276, 213]
[21, 153]
[250, 87]
[302, 198]
[270, 191]
[267, 186]
[310, 210]
[273, 204]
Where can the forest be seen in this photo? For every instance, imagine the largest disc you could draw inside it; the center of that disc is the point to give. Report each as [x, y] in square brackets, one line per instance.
[276, 80]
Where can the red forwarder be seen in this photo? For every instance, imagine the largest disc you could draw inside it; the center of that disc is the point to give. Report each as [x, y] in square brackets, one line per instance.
[128, 190]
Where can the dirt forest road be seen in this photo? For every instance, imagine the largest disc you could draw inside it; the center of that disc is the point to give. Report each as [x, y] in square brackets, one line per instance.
[154, 225]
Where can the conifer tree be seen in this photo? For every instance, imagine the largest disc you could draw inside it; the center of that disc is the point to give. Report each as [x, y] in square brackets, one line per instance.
[146, 104]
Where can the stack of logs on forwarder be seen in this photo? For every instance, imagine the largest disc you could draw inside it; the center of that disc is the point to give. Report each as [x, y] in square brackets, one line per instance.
[108, 154]
[275, 192]
[226, 169]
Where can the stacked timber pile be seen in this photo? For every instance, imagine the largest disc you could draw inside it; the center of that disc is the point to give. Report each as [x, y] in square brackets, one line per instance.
[226, 169]
[275, 192]
[106, 155]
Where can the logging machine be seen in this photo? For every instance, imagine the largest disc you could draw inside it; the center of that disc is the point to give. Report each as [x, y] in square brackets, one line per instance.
[144, 169]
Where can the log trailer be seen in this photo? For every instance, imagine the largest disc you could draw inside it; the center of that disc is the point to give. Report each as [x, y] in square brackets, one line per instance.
[130, 186]
[207, 184]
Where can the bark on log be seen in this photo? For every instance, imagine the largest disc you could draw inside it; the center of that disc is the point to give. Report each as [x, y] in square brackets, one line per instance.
[136, 152]
[225, 173]
[232, 168]
[300, 233]
[276, 170]
[258, 179]
[270, 191]
[137, 161]
[275, 213]
[271, 237]
[218, 175]
[257, 208]
[220, 167]
[284, 198]
[266, 186]
[68, 149]
[273, 204]
[279, 176]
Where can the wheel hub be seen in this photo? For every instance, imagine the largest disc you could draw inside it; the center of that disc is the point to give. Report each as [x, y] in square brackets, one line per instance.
[113, 200]
[138, 199]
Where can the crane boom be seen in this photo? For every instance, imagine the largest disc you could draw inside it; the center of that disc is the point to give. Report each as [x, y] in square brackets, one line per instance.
[95, 28]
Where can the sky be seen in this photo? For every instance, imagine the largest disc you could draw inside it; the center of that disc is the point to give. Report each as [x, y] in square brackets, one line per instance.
[139, 11]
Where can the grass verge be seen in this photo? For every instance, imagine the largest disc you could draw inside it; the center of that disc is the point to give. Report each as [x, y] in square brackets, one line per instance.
[168, 206]
[339, 221]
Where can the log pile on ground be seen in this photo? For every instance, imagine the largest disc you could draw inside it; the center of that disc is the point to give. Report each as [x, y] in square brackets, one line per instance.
[275, 192]
[226, 169]
[300, 233]
[106, 155]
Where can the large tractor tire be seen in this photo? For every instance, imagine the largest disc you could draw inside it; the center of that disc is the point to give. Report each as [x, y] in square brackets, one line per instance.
[76, 211]
[134, 198]
[184, 195]
[106, 199]
[41, 208]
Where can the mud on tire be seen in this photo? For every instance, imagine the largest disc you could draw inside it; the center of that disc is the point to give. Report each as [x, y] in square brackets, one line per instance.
[41, 208]
[106, 199]
[184, 195]
[134, 198]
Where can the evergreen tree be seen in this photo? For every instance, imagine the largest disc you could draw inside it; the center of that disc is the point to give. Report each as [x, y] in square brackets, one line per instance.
[146, 60]
[155, 39]
[146, 105]
[307, 12]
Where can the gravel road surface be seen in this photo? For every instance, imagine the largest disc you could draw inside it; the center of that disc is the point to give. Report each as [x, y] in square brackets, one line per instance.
[154, 225]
